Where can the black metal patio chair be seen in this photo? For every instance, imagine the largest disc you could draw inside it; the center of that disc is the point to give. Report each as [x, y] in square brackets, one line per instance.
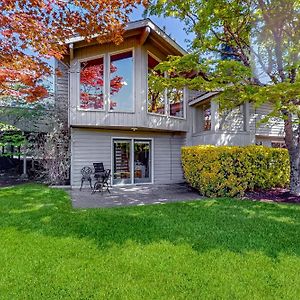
[98, 170]
[86, 173]
[102, 183]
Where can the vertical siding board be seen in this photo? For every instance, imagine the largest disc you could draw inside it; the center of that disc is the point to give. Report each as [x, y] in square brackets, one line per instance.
[61, 85]
[90, 146]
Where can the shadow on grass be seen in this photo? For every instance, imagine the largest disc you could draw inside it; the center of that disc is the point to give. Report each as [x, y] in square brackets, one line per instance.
[234, 225]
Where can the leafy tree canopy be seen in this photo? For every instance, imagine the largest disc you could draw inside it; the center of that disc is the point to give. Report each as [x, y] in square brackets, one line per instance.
[249, 50]
[33, 31]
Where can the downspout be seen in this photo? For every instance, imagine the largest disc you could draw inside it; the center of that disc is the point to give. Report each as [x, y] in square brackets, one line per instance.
[71, 47]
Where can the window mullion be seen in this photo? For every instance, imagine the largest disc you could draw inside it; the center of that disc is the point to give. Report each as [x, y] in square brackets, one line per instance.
[106, 80]
[167, 110]
[166, 102]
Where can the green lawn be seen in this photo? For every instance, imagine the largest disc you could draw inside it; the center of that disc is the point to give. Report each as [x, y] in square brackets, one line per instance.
[212, 249]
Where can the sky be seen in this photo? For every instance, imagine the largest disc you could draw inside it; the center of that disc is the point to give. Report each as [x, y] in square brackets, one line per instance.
[171, 26]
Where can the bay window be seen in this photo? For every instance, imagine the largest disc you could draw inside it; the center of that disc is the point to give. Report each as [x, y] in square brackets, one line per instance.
[156, 100]
[167, 102]
[176, 103]
[121, 82]
[92, 84]
[119, 86]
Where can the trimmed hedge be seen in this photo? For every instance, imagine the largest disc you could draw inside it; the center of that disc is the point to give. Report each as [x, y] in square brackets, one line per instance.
[230, 171]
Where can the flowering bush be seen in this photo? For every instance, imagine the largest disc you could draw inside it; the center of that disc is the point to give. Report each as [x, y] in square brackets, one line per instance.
[230, 171]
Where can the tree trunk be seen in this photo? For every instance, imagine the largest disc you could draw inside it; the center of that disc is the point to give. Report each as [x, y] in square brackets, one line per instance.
[292, 144]
[295, 173]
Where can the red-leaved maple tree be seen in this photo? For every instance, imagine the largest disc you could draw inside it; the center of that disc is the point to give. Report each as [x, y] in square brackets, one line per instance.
[32, 31]
[92, 84]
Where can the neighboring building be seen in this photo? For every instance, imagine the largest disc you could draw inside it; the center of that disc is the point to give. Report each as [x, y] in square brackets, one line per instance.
[136, 133]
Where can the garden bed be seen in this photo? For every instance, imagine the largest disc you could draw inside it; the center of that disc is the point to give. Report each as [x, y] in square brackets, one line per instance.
[275, 195]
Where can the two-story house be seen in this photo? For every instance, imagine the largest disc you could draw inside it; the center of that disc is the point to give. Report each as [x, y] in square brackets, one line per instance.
[115, 119]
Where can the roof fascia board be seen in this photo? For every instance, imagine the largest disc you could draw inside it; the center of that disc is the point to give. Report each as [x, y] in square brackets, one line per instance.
[136, 25]
[202, 98]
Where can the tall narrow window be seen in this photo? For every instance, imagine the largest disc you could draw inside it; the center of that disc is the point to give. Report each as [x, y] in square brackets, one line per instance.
[92, 84]
[207, 117]
[202, 117]
[176, 103]
[156, 100]
[121, 82]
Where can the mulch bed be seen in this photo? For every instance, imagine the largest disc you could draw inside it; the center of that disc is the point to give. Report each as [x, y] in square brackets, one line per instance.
[273, 195]
[9, 180]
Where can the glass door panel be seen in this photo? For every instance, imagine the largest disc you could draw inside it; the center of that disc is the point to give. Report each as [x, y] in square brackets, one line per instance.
[142, 161]
[122, 162]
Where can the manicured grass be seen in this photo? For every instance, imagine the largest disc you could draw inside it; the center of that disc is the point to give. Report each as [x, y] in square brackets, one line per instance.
[211, 249]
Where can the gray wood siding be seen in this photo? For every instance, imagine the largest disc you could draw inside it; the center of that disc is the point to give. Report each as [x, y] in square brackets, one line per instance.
[61, 88]
[232, 120]
[222, 139]
[176, 164]
[140, 118]
[91, 145]
[274, 127]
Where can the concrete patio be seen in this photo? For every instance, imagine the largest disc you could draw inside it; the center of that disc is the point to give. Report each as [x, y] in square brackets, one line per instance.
[133, 195]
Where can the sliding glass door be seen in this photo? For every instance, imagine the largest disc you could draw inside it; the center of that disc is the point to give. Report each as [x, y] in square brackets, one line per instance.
[142, 161]
[132, 161]
[122, 162]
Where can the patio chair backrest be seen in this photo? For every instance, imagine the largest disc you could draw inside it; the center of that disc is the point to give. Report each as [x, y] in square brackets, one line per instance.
[98, 167]
[86, 172]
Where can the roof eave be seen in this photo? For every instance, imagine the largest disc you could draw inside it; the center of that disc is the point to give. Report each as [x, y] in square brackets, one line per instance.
[139, 24]
[202, 98]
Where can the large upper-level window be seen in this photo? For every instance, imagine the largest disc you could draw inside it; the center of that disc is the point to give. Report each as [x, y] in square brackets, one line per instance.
[121, 82]
[156, 100]
[168, 102]
[118, 84]
[92, 84]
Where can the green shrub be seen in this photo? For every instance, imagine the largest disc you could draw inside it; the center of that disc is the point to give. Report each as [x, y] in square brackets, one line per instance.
[230, 171]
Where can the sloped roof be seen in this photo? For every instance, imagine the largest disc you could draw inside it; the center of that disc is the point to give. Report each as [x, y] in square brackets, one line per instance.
[141, 24]
[199, 96]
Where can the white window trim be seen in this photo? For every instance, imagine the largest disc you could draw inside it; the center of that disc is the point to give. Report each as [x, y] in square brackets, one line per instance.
[196, 130]
[147, 87]
[82, 60]
[107, 94]
[166, 100]
[106, 81]
[184, 90]
[131, 139]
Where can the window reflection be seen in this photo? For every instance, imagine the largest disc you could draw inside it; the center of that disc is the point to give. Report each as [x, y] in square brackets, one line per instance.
[176, 103]
[207, 117]
[156, 100]
[91, 84]
[121, 82]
